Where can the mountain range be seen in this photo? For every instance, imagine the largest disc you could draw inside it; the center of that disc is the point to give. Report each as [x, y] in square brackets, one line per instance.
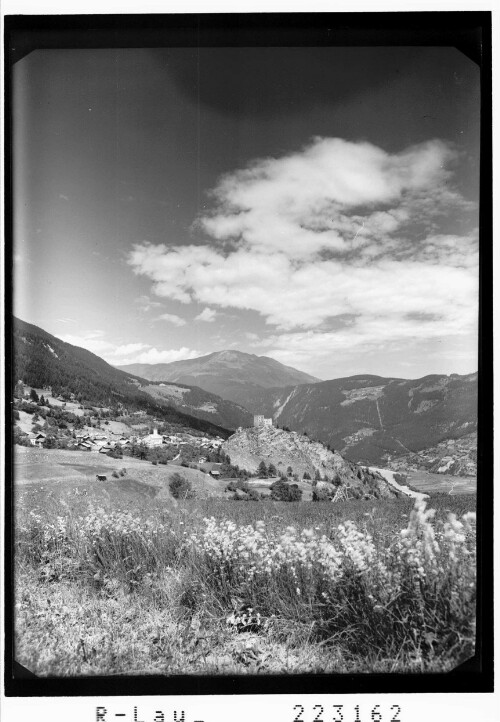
[233, 375]
[40, 360]
[368, 419]
[371, 419]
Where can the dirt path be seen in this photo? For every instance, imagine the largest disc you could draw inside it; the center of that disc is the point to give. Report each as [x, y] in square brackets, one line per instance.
[389, 477]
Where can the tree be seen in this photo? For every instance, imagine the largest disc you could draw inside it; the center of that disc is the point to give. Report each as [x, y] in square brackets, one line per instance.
[262, 470]
[336, 480]
[281, 491]
[317, 475]
[34, 396]
[271, 470]
[322, 494]
[289, 471]
[20, 437]
[307, 475]
[180, 487]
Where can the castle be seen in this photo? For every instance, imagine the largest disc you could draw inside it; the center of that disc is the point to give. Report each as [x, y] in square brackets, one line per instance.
[259, 420]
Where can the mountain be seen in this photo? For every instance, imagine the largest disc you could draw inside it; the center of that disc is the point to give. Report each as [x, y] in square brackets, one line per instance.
[40, 360]
[247, 448]
[202, 404]
[455, 457]
[372, 419]
[233, 375]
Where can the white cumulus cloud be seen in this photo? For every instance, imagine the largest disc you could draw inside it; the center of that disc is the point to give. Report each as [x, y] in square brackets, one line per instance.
[337, 229]
[156, 356]
[171, 318]
[122, 354]
[208, 315]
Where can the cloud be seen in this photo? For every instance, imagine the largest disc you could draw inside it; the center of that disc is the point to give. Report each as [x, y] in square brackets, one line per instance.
[63, 197]
[171, 318]
[146, 304]
[155, 356]
[122, 354]
[208, 315]
[338, 230]
[92, 340]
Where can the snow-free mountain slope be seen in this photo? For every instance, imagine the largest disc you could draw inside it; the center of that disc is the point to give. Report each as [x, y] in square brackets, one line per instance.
[370, 418]
[41, 360]
[233, 375]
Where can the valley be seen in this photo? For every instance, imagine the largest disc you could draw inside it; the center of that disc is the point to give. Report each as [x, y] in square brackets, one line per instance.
[127, 491]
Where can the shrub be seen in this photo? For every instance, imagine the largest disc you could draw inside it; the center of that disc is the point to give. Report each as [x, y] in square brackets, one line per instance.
[322, 494]
[249, 495]
[281, 491]
[180, 487]
[115, 474]
[240, 484]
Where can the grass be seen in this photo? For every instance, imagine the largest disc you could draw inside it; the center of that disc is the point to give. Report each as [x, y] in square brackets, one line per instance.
[431, 483]
[115, 578]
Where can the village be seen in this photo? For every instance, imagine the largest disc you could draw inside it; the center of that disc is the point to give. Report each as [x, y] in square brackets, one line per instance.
[47, 421]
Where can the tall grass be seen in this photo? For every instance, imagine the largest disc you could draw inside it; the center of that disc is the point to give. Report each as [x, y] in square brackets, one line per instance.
[372, 589]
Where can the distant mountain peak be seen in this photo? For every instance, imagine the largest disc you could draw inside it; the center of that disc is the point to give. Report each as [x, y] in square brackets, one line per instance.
[234, 375]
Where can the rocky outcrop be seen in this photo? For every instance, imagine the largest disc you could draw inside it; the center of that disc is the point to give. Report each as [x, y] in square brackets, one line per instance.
[247, 448]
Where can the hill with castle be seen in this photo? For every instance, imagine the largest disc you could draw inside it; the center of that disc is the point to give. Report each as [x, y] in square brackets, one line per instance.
[296, 457]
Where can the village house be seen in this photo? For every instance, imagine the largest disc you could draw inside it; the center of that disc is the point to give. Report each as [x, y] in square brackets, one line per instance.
[84, 446]
[37, 439]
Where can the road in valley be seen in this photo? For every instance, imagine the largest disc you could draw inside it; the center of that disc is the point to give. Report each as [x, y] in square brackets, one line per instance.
[389, 477]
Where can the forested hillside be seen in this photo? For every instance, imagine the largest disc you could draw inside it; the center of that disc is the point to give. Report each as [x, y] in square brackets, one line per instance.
[40, 360]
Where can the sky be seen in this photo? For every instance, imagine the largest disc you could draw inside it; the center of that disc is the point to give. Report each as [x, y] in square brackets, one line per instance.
[315, 205]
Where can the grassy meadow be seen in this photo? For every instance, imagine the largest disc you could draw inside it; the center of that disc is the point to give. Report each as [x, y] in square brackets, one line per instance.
[118, 577]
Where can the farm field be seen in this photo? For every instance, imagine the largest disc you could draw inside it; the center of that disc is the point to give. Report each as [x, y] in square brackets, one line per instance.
[423, 483]
[441, 483]
[118, 577]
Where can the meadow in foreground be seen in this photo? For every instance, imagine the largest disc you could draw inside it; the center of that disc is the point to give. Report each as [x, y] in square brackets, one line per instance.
[353, 587]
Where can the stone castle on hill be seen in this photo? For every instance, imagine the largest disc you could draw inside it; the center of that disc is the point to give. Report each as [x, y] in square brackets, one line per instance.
[259, 420]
